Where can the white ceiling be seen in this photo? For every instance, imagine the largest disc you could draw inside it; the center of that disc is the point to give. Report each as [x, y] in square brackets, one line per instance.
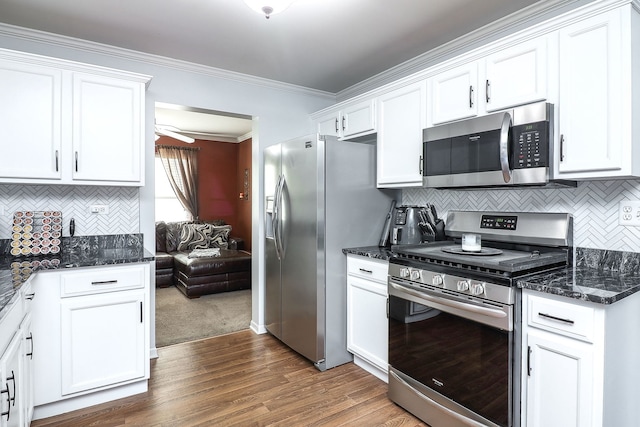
[328, 45]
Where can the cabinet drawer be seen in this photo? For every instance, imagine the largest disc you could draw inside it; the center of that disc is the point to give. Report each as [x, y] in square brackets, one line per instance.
[561, 317]
[107, 279]
[368, 268]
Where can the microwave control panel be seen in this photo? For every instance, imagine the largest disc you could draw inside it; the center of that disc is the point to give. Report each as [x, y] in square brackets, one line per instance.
[530, 145]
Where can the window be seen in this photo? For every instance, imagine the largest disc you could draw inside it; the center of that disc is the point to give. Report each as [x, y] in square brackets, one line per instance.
[168, 207]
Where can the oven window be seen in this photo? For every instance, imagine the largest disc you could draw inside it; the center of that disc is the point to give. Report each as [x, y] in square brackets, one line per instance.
[461, 359]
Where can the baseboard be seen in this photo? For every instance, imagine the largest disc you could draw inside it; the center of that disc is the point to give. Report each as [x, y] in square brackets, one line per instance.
[258, 329]
[91, 399]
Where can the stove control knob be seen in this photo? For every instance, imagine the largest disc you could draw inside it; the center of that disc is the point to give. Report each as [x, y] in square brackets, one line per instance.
[404, 272]
[437, 280]
[462, 285]
[477, 288]
[415, 274]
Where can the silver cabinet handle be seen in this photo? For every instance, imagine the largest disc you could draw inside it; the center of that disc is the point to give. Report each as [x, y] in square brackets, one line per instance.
[337, 128]
[504, 147]
[57, 168]
[487, 87]
[471, 96]
[420, 165]
[365, 271]
[76, 161]
[561, 147]
[559, 319]
[344, 123]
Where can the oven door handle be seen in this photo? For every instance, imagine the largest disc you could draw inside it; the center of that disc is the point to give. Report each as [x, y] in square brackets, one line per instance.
[451, 303]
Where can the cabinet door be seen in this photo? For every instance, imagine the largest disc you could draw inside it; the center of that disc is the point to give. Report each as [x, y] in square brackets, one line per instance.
[454, 94]
[102, 340]
[358, 119]
[27, 365]
[589, 107]
[107, 129]
[559, 389]
[30, 119]
[11, 385]
[329, 125]
[367, 324]
[401, 118]
[517, 75]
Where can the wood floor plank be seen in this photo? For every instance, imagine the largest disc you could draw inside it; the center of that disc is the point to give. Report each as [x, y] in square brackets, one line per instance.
[244, 379]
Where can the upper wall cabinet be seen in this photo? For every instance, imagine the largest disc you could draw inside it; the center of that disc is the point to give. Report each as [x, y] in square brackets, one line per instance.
[70, 123]
[351, 121]
[453, 94]
[513, 76]
[516, 75]
[597, 99]
[401, 118]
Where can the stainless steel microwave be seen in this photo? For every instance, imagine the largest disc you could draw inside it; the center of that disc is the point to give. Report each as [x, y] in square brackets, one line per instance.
[509, 148]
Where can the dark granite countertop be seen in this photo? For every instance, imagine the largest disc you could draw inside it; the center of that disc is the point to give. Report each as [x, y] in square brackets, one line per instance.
[371, 252]
[599, 276]
[83, 251]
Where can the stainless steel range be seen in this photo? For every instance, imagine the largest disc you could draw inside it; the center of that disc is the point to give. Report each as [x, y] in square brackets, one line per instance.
[454, 315]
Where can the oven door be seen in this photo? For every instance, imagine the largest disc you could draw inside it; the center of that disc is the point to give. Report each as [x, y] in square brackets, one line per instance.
[449, 361]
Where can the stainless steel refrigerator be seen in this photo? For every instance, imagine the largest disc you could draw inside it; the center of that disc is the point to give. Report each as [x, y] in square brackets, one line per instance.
[321, 197]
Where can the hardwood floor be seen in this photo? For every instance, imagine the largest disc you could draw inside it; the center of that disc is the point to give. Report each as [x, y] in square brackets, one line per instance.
[244, 379]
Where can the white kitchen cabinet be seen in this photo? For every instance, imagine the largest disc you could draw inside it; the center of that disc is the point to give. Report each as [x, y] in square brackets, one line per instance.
[560, 386]
[516, 75]
[401, 119]
[70, 123]
[107, 128]
[102, 340]
[93, 326]
[453, 94]
[30, 119]
[26, 352]
[11, 382]
[367, 323]
[597, 100]
[351, 121]
[579, 364]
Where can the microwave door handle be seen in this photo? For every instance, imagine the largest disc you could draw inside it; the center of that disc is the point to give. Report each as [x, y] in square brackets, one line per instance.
[504, 147]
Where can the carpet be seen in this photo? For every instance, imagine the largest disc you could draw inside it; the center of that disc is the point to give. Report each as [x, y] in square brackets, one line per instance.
[180, 319]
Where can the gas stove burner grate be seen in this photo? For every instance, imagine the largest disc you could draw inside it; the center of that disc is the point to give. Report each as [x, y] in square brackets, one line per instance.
[481, 252]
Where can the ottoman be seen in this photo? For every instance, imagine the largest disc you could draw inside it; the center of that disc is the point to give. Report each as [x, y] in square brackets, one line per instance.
[231, 271]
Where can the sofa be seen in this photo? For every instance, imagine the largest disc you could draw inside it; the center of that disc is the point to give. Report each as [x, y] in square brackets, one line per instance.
[184, 258]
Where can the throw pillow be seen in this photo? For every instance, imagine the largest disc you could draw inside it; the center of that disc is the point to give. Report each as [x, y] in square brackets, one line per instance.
[203, 236]
[220, 237]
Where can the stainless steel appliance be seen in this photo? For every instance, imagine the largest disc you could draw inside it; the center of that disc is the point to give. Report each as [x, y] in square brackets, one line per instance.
[509, 148]
[320, 198]
[454, 315]
[414, 224]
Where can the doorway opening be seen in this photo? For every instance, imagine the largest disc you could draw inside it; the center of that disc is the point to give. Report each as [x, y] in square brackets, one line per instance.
[203, 243]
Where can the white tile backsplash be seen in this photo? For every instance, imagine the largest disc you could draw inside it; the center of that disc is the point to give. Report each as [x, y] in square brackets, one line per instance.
[74, 202]
[594, 205]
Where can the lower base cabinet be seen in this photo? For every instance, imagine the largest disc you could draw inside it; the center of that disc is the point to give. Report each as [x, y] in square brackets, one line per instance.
[94, 326]
[579, 362]
[367, 323]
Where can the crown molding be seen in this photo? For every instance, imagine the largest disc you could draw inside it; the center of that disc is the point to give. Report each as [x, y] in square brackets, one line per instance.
[534, 14]
[38, 36]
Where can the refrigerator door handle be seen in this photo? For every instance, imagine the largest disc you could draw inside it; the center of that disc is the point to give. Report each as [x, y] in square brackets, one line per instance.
[274, 218]
[278, 224]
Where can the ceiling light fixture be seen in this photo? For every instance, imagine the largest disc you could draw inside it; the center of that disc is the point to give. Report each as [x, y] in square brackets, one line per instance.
[268, 7]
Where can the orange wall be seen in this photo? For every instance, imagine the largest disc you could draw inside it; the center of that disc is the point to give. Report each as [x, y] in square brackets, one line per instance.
[218, 187]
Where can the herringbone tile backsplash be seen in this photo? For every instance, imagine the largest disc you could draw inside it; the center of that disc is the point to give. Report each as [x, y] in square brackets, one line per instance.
[594, 206]
[74, 202]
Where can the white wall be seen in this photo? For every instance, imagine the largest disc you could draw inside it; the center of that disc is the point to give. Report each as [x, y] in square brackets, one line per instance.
[280, 112]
